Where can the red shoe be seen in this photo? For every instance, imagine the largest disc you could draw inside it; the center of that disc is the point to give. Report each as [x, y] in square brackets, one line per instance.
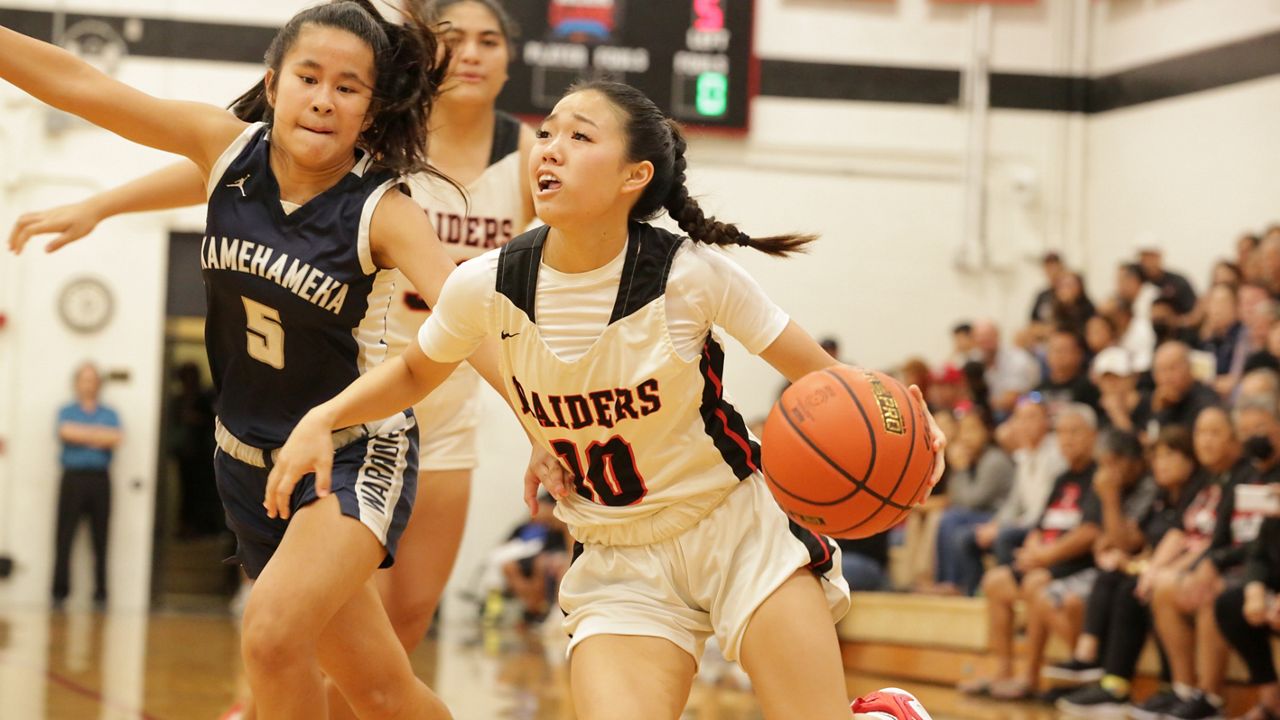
[890, 704]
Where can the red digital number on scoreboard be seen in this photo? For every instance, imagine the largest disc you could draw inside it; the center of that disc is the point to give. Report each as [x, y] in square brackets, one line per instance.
[708, 16]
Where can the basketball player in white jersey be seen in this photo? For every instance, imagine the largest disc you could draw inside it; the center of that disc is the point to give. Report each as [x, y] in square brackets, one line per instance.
[610, 360]
[485, 151]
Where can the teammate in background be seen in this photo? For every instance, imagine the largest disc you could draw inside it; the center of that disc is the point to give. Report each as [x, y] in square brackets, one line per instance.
[302, 173]
[609, 357]
[484, 150]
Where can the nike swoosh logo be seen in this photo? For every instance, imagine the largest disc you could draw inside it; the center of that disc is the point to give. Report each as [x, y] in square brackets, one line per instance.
[506, 335]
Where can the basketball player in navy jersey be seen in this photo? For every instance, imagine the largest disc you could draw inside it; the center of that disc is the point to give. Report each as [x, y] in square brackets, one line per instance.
[609, 357]
[303, 227]
[486, 151]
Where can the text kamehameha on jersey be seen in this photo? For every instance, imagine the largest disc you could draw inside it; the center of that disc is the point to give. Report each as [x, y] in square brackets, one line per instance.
[309, 283]
[598, 407]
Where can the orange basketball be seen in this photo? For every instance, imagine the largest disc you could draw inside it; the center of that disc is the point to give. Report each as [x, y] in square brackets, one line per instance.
[847, 452]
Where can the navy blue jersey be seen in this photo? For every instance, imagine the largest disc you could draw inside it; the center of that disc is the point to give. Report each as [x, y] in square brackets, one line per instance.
[297, 309]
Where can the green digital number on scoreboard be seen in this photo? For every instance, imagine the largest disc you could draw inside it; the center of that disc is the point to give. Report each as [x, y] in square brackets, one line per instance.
[712, 98]
[692, 57]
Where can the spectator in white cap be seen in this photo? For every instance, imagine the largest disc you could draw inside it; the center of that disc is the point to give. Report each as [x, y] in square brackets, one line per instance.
[1117, 383]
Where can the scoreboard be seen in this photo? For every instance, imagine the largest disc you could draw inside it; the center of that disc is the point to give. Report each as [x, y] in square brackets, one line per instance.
[692, 57]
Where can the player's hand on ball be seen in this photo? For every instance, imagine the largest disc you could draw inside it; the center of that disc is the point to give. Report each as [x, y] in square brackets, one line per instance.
[939, 439]
[308, 449]
[72, 222]
[545, 470]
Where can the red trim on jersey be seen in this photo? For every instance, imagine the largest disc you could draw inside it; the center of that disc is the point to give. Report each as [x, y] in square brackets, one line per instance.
[741, 441]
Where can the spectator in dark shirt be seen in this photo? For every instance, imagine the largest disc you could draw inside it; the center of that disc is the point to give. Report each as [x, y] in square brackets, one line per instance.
[1057, 547]
[1177, 397]
[89, 432]
[1072, 307]
[1168, 325]
[1182, 602]
[1249, 616]
[1257, 422]
[1067, 380]
[1220, 332]
[1042, 306]
[1117, 616]
[1171, 285]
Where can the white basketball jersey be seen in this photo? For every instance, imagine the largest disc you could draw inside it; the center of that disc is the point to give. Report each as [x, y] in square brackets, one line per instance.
[489, 216]
[651, 438]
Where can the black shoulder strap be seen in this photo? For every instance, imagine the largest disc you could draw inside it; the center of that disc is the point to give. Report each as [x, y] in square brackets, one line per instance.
[650, 251]
[518, 269]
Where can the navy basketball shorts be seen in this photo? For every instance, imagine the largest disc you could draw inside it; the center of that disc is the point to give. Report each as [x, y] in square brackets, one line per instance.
[374, 478]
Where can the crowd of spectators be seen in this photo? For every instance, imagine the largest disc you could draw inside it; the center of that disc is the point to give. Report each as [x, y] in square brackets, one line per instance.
[1114, 469]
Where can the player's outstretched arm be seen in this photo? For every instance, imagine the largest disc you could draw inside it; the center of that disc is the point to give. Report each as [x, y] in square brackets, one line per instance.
[54, 76]
[384, 391]
[177, 185]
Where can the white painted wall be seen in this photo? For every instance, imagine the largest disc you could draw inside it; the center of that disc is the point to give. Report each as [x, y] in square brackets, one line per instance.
[1194, 170]
[881, 183]
[1125, 33]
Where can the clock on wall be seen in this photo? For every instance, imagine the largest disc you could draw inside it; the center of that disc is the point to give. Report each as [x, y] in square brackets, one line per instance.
[85, 304]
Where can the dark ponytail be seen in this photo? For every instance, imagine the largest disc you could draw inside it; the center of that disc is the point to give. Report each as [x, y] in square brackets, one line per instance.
[408, 77]
[654, 137]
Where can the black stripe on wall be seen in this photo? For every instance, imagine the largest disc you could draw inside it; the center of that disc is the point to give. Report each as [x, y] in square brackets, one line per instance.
[1228, 64]
[1235, 62]
[873, 83]
[177, 39]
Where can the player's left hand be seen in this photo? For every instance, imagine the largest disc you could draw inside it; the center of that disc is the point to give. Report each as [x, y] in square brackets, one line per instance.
[939, 439]
[545, 470]
[308, 449]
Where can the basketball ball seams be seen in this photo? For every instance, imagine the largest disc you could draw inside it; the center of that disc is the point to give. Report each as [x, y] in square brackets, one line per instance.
[858, 484]
[871, 431]
[821, 503]
[933, 461]
[818, 447]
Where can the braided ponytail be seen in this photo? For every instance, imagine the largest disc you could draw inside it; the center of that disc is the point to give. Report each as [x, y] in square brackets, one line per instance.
[654, 137]
[689, 216]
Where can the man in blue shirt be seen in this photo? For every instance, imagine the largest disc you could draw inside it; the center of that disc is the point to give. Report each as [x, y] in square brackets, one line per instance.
[89, 431]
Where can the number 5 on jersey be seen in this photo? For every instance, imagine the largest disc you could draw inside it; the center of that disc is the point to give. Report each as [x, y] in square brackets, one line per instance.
[265, 333]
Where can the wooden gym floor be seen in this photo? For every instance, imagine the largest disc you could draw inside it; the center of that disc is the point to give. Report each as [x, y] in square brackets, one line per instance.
[81, 665]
